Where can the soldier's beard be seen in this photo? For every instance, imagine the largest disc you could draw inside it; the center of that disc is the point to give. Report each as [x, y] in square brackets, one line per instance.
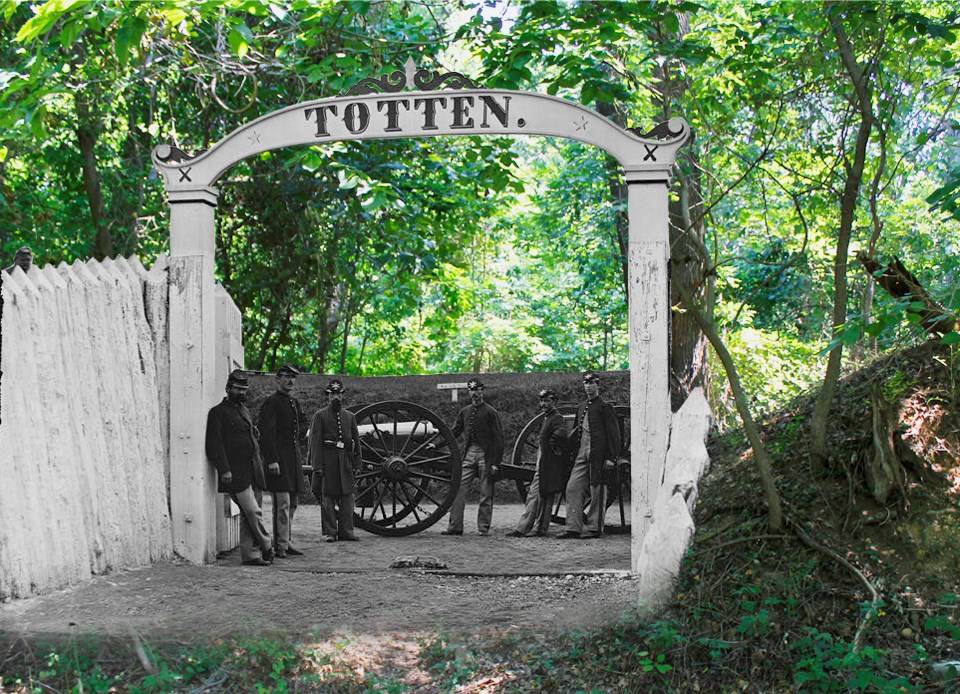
[335, 405]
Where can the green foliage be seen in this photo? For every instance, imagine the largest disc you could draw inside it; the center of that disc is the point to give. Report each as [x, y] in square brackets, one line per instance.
[453, 662]
[774, 370]
[827, 664]
[264, 664]
[469, 254]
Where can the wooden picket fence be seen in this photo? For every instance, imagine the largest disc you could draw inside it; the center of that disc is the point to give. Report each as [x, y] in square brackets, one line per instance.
[83, 423]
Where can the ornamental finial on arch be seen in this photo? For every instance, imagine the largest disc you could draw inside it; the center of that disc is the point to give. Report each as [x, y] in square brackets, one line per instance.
[672, 129]
[410, 79]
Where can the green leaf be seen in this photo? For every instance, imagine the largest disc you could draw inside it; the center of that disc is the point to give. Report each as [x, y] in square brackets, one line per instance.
[121, 43]
[951, 338]
[240, 38]
[47, 15]
[850, 336]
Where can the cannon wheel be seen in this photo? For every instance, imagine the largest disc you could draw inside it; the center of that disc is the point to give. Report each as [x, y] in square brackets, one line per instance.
[523, 463]
[407, 479]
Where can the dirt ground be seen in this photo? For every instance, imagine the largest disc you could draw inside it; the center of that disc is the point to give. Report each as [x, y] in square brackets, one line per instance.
[491, 583]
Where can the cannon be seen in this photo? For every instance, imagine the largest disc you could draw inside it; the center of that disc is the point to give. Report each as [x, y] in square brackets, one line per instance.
[410, 468]
[409, 473]
[523, 464]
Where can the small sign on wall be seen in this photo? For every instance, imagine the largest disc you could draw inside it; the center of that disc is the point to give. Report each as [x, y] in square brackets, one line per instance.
[454, 389]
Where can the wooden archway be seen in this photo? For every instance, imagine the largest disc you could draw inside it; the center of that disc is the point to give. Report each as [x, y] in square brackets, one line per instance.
[409, 103]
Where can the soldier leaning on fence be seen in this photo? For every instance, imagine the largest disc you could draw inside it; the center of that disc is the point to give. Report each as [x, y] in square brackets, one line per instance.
[548, 478]
[483, 447]
[334, 457]
[231, 444]
[594, 443]
[283, 429]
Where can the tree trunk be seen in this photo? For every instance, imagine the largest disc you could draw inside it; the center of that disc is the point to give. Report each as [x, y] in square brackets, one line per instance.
[689, 368]
[328, 286]
[346, 337]
[87, 133]
[688, 346]
[760, 457]
[883, 469]
[819, 448]
[129, 199]
[618, 194]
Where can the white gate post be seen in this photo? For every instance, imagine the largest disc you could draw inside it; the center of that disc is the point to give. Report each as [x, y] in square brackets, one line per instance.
[193, 383]
[649, 297]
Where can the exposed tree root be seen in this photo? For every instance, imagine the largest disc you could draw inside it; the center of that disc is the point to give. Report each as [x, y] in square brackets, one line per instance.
[871, 613]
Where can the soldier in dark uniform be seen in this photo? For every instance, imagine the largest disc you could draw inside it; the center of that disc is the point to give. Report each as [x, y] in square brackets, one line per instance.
[22, 258]
[594, 442]
[483, 447]
[334, 457]
[231, 444]
[548, 478]
[283, 429]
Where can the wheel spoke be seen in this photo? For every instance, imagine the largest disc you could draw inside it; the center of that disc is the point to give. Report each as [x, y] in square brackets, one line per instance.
[367, 475]
[386, 449]
[425, 442]
[410, 436]
[366, 490]
[424, 492]
[413, 505]
[379, 500]
[381, 456]
[435, 478]
[423, 461]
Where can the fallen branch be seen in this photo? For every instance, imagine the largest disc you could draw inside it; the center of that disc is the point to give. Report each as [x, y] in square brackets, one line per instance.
[874, 603]
[142, 653]
[714, 548]
[900, 283]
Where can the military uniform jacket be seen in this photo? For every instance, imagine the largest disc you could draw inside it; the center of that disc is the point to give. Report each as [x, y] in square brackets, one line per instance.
[282, 430]
[604, 434]
[487, 430]
[553, 454]
[333, 463]
[231, 446]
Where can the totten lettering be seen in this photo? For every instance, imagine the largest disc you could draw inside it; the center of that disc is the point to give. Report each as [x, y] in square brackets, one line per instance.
[458, 112]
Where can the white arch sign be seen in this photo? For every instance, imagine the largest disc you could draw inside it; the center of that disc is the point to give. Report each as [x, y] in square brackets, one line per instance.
[439, 105]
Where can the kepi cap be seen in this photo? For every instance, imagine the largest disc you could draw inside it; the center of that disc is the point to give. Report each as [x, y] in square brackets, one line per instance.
[590, 377]
[334, 386]
[288, 370]
[238, 379]
[475, 384]
[546, 393]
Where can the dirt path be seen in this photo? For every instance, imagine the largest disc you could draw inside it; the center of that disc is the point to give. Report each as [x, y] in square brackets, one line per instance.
[491, 583]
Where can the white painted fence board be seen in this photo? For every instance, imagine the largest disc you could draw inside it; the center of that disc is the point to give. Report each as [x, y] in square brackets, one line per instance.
[155, 296]
[142, 368]
[81, 447]
[58, 389]
[672, 525]
[84, 414]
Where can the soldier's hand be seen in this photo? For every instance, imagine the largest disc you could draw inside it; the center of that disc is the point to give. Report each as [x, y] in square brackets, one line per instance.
[226, 477]
[274, 468]
[608, 465]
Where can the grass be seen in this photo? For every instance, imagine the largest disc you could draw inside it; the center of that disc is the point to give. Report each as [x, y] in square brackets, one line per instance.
[733, 626]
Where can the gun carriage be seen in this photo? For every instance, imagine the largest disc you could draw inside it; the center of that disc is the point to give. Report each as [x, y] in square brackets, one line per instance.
[409, 473]
[523, 464]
